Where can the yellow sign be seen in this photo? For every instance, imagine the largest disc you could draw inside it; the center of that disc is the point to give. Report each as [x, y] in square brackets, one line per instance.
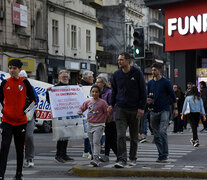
[28, 64]
[201, 72]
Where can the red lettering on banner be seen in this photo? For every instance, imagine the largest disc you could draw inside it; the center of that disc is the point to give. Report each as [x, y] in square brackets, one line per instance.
[43, 114]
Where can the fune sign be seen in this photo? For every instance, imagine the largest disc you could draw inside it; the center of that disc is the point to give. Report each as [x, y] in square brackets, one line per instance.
[186, 25]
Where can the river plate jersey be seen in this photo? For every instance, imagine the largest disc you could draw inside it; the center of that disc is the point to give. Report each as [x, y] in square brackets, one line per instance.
[13, 93]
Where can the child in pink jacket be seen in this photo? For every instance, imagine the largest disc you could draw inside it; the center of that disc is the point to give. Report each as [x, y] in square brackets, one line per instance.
[97, 113]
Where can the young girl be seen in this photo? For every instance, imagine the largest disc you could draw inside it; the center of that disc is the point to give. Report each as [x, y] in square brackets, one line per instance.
[97, 112]
[196, 109]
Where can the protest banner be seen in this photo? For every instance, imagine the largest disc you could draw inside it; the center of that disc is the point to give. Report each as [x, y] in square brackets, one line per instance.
[65, 100]
[64, 126]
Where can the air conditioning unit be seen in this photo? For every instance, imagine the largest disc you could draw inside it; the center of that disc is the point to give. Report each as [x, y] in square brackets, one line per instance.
[1, 14]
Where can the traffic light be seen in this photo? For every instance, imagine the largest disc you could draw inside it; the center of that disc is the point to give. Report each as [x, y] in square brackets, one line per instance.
[138, 43]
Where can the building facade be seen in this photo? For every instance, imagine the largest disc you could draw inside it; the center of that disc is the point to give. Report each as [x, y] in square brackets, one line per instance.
[23, 35]
[71, 38]
[186, 64]
[153, 23]
[119, 18]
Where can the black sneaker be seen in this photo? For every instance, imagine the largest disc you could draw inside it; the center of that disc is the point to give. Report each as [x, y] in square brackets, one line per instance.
[196, 143]
[59, 160]
[120, 164]
[104, 158]
[95, 163]
[67, 158]
[1, 178]
[142, 140]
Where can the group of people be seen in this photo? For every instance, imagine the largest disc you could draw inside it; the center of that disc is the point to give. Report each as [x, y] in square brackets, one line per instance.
[192, 106]
[125, 104]
[115, 106]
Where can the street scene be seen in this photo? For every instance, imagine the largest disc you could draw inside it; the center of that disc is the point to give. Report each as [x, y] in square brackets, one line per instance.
[103, 89]
[182, 157]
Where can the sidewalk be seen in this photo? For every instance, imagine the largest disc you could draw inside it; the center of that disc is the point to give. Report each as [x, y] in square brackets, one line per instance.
[184, 160]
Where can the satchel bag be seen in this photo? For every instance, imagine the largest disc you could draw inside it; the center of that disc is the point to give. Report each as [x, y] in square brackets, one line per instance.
[187, 110]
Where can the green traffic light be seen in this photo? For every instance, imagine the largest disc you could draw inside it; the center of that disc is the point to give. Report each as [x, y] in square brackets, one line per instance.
[136, 51]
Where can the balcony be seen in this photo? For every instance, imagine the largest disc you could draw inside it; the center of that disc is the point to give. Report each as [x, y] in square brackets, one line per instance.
[156, 23]
[98, 47]
[156, 41]
[96, 3]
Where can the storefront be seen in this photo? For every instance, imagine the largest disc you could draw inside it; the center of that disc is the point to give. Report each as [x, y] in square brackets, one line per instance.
[185, 37]
[33, 65]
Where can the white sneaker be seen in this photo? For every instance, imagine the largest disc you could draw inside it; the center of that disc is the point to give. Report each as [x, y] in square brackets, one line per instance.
[86, 155]
[29, 163]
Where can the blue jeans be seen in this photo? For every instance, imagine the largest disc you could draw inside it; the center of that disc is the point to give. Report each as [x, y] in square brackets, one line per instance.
[159, 124]
[143, 124]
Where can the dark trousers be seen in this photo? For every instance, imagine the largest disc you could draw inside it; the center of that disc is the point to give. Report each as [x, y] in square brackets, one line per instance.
[19, 137]
[111, 138]
[178, 124]
[194, 119]
[87, 146]
[125, 119]
[61, 148]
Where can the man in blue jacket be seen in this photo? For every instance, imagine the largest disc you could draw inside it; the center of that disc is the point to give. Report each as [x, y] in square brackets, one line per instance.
[129, 94]
[160, 93]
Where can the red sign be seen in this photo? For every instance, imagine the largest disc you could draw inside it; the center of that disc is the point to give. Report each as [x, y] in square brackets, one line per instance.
[186, 25]
[45, 115]
[19, 14]
[16, 13]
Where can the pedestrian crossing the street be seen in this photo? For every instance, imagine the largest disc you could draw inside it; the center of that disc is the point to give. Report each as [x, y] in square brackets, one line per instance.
[46, 166]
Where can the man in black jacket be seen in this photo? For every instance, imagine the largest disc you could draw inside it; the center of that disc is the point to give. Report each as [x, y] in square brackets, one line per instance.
[129, 94]
[61, 154]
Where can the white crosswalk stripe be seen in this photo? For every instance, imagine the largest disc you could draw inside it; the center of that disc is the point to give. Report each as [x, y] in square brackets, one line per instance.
[45, 165]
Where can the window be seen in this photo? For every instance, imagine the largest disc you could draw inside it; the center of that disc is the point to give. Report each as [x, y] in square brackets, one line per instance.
[68, 35]
[73, 37]
[54, 32]
[39, 25]
[79, 36]
[88, 40]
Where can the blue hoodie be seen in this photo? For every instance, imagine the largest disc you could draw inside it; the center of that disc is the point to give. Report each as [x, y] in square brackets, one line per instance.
[162, 94]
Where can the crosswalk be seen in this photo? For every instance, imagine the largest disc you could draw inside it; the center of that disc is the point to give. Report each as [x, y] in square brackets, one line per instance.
[47, 168]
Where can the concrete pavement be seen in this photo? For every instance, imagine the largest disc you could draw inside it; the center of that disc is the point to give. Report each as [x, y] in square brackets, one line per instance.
[184, 160]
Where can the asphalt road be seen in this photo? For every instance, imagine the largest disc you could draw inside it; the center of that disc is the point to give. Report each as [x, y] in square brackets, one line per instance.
[46, 168]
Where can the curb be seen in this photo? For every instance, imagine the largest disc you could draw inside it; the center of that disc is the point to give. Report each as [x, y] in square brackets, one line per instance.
[100, 172]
